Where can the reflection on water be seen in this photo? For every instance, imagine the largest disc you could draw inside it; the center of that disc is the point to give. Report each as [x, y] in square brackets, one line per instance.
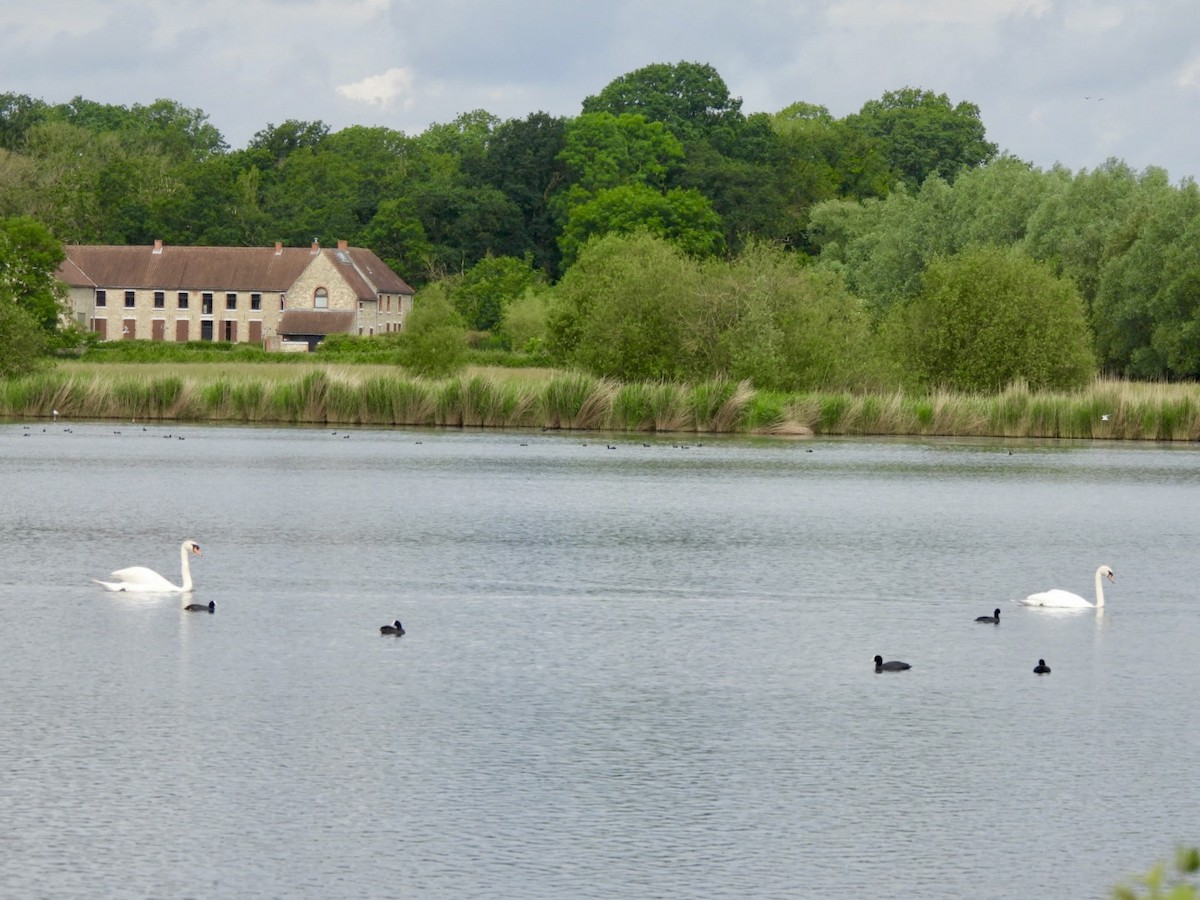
[643, 671]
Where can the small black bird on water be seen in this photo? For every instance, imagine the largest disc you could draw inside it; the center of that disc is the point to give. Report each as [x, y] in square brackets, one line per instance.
[210, 606]
[891, 666]
[395, 628]
[1041, 668]
[993, 619]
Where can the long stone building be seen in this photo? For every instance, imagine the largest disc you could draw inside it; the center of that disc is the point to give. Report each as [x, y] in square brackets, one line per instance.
[281, 297]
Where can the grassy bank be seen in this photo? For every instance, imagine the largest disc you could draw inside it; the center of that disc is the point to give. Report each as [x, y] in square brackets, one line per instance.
[377, 395]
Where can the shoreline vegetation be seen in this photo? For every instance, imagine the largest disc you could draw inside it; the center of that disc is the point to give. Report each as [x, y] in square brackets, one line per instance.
[552, 400]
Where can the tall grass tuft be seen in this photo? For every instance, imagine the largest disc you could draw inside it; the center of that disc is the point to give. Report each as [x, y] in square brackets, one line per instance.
[652, 406]
[247, 400]
[720, 405]
[577, 400]
[563, 396]
[409, 401]
[632, 408]
[448, 403]
[769, 412]
[496, 403]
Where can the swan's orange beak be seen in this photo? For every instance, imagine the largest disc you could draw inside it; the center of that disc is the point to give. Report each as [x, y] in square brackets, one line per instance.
[196, 549]
[1112, 576]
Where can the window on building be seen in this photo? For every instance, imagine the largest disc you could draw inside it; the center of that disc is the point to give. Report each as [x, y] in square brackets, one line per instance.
[130, 299]
[183, 299]
[160, 300]
[206, 300]
[102, 298]
[231, 301]
[282, 301]
[321, 299]
[256, 301]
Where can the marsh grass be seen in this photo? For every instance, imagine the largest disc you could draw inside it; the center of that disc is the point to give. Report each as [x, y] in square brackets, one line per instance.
[383, 395]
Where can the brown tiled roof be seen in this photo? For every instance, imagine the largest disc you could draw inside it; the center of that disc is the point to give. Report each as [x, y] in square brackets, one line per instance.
[71, 274]
[265, 269]
[377, 272]
[315, 321]
[188, 268]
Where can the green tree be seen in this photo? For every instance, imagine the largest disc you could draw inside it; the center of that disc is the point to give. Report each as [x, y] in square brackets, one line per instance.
[830, 158]
[68, 161]
[22, 342]
[1133, 275]
[884, 247]
[435, 341]
[32, 300]
[218, 204]
[684, 217]
[525, 324]
[922, 134]
[623, 308]
[1073, 226]
[781, 324]
[29, 260]
[175, 130]
[18, 113]
[690, 99]
[313, 197]
[483, 292]
[1175, 340]
[603, 150]
[271, 146]
[988, 317]
[523, 163]
[397, 235]
[755, 192]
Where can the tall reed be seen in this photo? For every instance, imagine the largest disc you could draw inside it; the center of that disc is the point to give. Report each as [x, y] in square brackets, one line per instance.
[374, 395]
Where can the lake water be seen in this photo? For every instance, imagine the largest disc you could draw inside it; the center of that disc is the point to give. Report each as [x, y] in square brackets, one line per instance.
[642, 671]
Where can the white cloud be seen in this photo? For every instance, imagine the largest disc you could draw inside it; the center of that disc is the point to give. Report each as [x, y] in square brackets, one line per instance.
[1189, 76]
[1093, 18]
[855, 13]
[382, 90]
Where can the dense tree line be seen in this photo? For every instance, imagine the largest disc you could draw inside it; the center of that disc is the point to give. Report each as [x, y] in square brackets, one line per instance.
[663, 232]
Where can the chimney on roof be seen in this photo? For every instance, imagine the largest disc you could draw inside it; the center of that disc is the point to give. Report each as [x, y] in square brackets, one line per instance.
[278, 248]
[157, 245]
[342, 245]
[316, 247]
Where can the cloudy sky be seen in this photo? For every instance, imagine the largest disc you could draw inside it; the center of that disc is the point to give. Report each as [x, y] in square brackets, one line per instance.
[1057, 81]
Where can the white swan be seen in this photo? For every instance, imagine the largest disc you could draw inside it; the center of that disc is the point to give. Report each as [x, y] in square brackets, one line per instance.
[1066, 600]
[142, 580]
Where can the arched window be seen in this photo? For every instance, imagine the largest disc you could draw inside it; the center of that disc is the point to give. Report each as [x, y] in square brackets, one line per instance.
[321, 299]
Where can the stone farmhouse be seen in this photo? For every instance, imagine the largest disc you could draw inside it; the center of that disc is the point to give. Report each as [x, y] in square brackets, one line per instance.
[284, 298]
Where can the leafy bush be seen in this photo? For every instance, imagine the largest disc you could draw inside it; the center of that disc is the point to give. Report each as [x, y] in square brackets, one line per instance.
[1182, 887]
[987, 317]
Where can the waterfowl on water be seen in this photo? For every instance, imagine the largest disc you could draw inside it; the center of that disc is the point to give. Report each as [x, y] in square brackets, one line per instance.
[1060, 599]
[143, 580]
[395, 628]
[891, 666]
[210, 606]
[1041, 668]
[993, 619]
